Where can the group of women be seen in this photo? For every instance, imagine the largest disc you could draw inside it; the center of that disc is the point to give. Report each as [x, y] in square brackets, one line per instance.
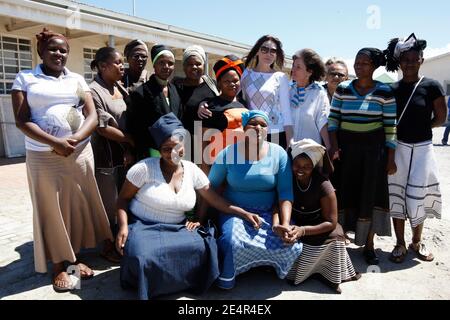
[110, 157]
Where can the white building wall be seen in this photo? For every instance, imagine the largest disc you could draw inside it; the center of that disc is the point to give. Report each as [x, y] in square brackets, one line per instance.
[438, 69]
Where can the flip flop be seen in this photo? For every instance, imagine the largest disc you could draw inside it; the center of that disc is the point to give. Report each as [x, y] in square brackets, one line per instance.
[421, 251]
[86, 273]
[60, 288]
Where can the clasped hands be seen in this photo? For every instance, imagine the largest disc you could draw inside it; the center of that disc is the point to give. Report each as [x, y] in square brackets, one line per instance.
[289, 234]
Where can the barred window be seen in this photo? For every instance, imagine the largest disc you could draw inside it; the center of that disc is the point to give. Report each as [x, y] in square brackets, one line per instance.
[15, 56]
[88, 56]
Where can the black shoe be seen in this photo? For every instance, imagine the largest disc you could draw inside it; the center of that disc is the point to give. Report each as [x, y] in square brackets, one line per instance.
[370, 256]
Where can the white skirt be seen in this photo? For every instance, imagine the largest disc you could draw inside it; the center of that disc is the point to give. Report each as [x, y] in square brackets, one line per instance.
[414, 191]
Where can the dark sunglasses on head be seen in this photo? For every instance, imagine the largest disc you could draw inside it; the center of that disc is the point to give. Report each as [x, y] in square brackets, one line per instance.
[265, 49]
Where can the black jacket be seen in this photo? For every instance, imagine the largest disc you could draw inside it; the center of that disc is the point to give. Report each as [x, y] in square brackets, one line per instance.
[145, 106]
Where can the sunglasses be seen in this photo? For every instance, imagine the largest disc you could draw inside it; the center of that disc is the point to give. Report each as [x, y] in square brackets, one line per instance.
[266, 50]
[337, 74]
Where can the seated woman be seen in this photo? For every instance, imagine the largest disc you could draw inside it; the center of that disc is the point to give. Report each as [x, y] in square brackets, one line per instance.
[162, 252]
[226, 110]
[314, 213]
[257, 174]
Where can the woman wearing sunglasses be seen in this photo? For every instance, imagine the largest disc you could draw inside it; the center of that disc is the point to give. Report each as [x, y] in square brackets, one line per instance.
[266, 89]
[336, 72]
[136, 52]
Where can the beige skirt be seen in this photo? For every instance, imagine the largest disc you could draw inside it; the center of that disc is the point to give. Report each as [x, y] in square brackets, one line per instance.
[68, 213]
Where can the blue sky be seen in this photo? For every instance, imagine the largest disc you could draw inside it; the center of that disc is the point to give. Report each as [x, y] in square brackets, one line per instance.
[333, 28]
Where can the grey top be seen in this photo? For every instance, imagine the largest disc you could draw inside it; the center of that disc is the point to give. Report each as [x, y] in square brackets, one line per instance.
[111, 112]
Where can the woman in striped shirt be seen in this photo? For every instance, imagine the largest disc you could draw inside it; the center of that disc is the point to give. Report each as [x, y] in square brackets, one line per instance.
[362, 125]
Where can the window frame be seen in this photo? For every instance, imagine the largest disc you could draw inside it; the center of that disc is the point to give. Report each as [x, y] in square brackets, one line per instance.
[20, 63]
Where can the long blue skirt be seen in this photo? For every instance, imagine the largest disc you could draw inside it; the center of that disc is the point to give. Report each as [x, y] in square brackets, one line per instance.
[167, 258]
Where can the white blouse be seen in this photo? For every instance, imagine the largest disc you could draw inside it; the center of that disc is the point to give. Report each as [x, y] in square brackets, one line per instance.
[268, 92]
[310, 113]
[156, 201]
[56, 104]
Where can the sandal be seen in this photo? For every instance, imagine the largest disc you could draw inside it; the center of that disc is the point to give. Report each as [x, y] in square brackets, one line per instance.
[421, 251]
[61, 282]
[85, 272]
[398, 254]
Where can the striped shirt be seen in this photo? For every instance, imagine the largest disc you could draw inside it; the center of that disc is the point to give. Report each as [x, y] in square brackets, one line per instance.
[352, 112]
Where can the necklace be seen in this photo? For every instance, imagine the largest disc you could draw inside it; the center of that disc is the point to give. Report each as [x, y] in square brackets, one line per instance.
[307, 188]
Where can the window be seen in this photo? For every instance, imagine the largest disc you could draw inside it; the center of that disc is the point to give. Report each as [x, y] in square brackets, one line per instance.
[88, 56]
[15, 55]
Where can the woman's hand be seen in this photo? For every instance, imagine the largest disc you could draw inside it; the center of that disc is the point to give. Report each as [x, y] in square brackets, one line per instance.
[280, 231]
[64, 146]
[334, 153]
[254, 219]
[391, 167]
[121, 238]
[191, 225]
[289, 234]
[294, 234]
[203, 112]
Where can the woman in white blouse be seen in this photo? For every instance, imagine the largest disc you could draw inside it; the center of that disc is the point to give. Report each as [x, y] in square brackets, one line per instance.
[265, 87]
[163, 252]
[53, 107]
[309, 102]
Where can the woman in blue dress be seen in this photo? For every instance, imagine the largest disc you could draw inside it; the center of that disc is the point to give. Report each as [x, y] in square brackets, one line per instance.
[257, 177]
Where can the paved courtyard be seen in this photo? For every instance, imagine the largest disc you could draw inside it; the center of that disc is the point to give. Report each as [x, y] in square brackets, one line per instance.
[411, 280]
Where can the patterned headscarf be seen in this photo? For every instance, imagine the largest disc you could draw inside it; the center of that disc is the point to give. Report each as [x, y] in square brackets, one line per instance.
[227, 63]
[407, 44]
[44, 38]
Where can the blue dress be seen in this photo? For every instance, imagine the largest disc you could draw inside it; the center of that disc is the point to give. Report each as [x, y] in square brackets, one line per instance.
[255, 186]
